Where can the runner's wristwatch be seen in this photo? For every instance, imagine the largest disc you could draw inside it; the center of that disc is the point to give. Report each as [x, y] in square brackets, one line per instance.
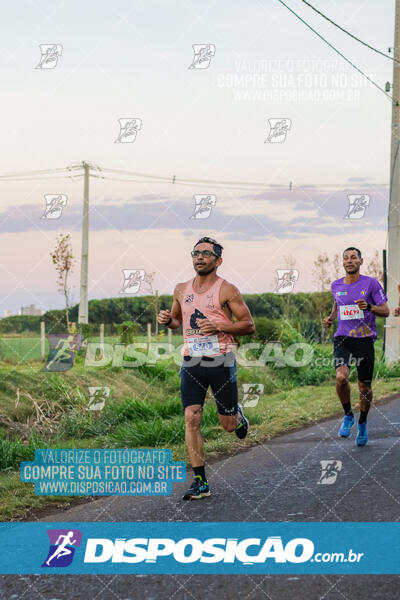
[168, 322]
[368, 306]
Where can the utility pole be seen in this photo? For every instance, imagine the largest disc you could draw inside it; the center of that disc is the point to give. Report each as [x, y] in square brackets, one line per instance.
[392, 341]
[83, 301]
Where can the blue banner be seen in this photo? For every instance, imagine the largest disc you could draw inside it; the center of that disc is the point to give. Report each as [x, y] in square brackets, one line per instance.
[98, 472]
[190, 547]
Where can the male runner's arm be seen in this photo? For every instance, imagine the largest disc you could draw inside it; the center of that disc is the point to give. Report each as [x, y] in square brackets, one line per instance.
[244, 325]
[329, 320]
[377, 307]
[175, 313]
[381, 310]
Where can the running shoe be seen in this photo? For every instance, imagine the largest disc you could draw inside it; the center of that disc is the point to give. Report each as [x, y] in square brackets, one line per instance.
[362, 435]
[198, 489]
[243, 427]
[347, 424]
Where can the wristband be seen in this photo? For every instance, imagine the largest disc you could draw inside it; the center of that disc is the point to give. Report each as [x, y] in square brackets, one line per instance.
[368, 306]
[168, 322]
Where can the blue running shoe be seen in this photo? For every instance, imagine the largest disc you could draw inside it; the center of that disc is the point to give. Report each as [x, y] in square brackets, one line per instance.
[198, 489]
[243, 427]
[362, 435]
[347, 424]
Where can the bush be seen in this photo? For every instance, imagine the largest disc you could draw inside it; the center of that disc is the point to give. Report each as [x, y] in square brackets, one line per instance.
[127, 331]
[12, 452]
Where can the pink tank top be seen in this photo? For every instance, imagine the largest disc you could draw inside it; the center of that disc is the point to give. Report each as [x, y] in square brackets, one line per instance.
[199, 306]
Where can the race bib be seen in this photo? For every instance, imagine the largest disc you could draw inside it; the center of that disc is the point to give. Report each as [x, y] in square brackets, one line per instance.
[350, 311]
[206, 344]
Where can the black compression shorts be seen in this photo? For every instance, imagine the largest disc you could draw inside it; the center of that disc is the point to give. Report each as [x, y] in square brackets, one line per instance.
[359, 351]
[218, 372]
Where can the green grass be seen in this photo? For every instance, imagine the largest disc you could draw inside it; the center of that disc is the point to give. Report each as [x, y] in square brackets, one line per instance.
[274, 414]
[144, 410]
[17, 349]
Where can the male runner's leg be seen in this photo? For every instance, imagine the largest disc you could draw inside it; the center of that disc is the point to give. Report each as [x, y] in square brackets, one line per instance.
[365, 368]
[193, 438]
[223, 383]
[194, 387]
[342, 364]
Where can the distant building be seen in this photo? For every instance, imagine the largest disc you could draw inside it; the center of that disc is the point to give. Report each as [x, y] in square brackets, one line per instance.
[8, 313]
[30, 310]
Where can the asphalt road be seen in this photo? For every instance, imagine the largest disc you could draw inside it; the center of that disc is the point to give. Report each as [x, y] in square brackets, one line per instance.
[276, 481]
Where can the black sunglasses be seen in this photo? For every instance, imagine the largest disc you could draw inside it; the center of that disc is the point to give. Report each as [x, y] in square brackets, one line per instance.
[205, 253]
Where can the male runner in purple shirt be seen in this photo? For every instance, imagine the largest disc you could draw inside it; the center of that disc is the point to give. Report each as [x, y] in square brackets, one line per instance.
[357, 299]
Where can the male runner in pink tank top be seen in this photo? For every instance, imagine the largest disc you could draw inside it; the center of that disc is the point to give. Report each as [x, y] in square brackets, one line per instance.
[205, 306]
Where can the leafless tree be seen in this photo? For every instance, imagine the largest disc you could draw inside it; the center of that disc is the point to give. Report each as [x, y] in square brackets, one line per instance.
[321, 273]
[64, 262]
[374, 267]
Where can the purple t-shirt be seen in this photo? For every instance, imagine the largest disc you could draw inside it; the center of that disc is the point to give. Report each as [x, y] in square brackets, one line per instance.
[352, 321]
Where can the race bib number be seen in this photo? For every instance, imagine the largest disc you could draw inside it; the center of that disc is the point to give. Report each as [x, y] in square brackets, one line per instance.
[206, 344]
[350, 311]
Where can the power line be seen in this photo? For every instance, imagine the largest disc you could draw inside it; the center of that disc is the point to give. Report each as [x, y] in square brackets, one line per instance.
[39, 178]
[350, 34]
[255, 187]
[138, 177]
[338, 52]
[35, 173]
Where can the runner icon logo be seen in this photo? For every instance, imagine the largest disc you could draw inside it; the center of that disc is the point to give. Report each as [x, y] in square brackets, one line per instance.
[286, 279]
[330, 470]
[98, 397]
[357, 206]
[203, 205]
[128, 129]
[50, 53]
[62, 547]
[55, 203]
[203, 53]
[278, 129]
[251, 394]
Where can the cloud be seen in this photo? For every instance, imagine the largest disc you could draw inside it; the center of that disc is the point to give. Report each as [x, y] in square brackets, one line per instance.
[266, 215]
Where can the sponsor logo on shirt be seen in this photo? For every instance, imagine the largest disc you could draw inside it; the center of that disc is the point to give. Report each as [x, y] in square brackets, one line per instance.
[341, 293]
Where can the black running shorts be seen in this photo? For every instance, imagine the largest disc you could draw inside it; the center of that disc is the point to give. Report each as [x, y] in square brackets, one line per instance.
[197, 373]
[359, 351]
